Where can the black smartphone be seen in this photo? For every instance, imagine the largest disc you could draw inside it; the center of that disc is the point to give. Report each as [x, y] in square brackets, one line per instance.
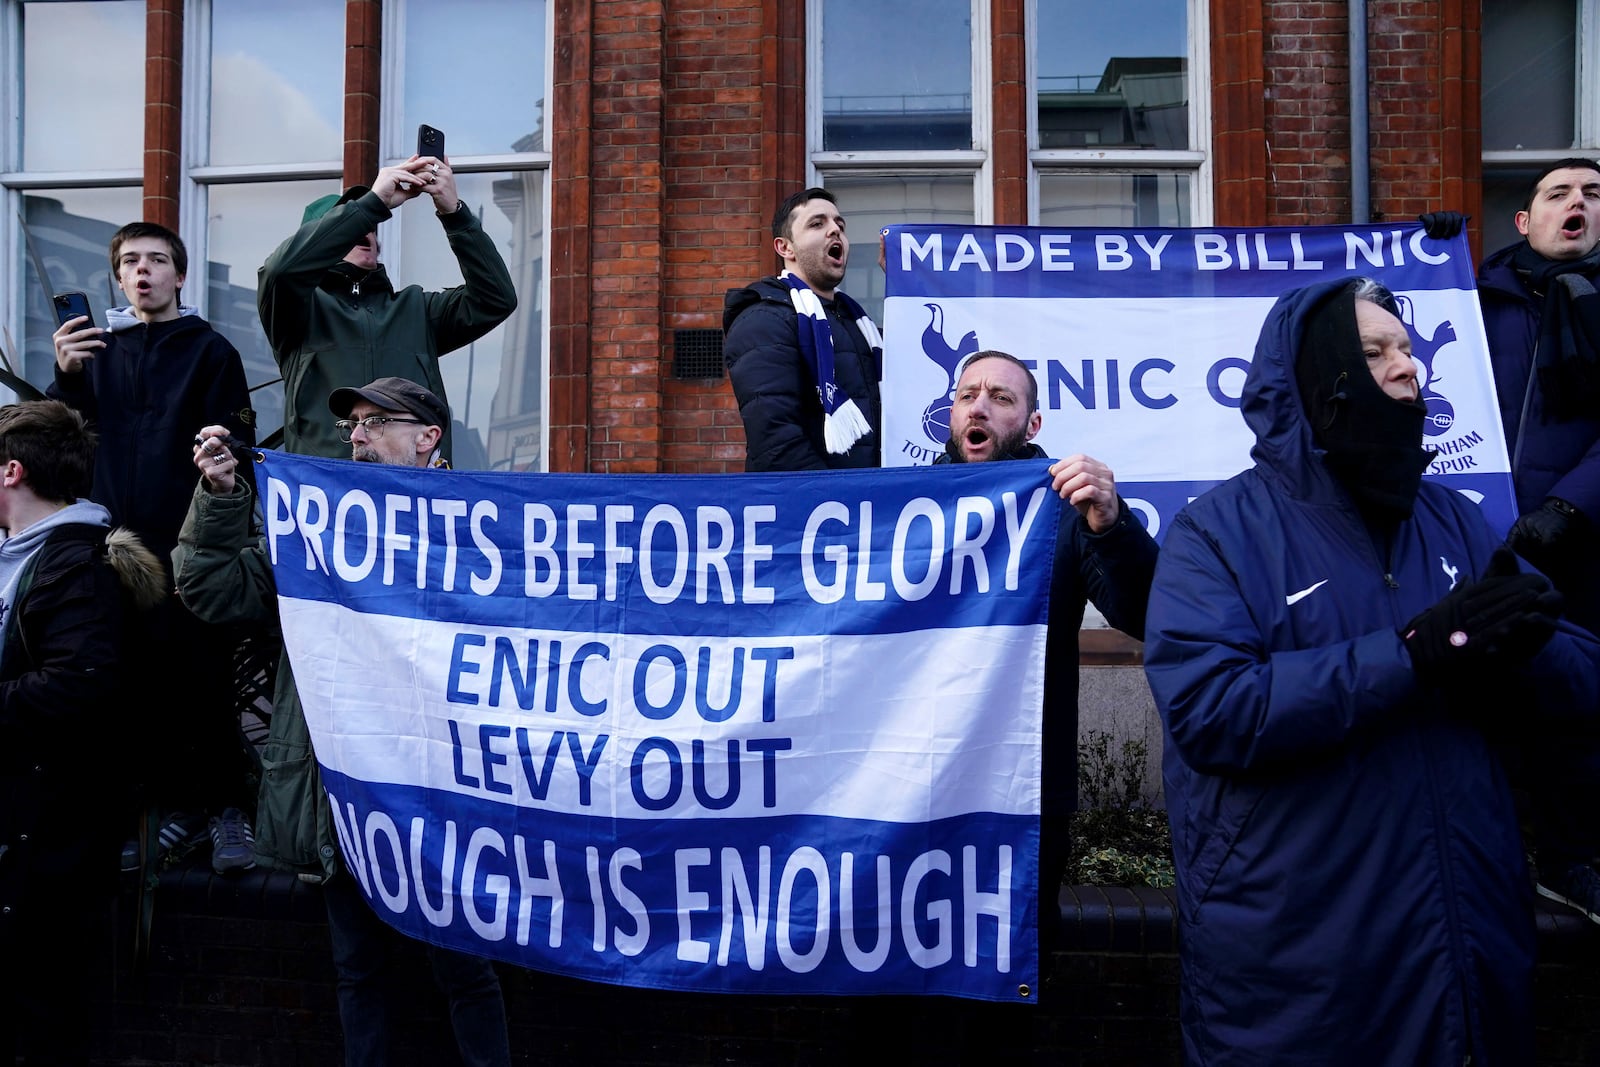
[430, 142]
[72, 305]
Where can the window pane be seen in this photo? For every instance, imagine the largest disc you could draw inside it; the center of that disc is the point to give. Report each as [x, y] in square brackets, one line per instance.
[496, 384]
[70, 231]
[1113, 74]
[485, 90]
[1529, 74]
[277, 81]
[83, 86]
[870, 204]
[1114, 199]
[1504, 190]
[244, 224]
[896, 76]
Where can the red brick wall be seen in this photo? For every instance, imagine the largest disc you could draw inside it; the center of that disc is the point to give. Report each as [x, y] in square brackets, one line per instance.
[1307, 75]
[679, 127]
[716, 159]
[1422, 146]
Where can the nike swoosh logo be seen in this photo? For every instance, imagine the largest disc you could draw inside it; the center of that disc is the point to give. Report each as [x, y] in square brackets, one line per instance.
[1295, 598]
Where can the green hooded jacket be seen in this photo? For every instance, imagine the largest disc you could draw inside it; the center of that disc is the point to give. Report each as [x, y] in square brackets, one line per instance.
[332, 324]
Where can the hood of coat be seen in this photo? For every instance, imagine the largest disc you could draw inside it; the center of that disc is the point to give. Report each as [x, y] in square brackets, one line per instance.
[342, 276]
[738, 301]
[1271, 405]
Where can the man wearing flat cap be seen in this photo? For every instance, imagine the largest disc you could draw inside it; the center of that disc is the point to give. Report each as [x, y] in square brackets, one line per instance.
[332, 316]
[224, 576]
[392, 421]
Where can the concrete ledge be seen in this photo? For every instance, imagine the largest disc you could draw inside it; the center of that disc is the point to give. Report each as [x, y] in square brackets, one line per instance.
[1094, 918]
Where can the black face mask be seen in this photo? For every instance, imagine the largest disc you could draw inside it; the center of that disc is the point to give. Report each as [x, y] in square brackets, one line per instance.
[1373, 441]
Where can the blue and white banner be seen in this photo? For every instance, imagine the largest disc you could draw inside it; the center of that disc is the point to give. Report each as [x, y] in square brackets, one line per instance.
[725, 733]
[1140, 339]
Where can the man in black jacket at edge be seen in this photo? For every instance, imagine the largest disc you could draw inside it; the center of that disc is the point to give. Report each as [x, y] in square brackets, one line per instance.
[1103, 556]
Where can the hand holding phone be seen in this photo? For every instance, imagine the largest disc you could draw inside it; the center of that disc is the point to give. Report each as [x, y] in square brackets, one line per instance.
[73, 349]
[430, 142]
[72, 305]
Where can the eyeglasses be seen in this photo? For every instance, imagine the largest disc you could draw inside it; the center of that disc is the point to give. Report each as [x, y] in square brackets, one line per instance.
[373, 424]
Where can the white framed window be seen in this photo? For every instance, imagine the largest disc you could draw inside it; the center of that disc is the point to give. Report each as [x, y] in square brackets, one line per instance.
[488, 93]
[263, 136]
[1541, 99]
[1119, 113]
[901, 112]
[899, 120]
[71, 154]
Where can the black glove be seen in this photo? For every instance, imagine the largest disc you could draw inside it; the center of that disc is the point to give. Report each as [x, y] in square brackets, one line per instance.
[1548, 535]
[1442, 225]
[1500, 620]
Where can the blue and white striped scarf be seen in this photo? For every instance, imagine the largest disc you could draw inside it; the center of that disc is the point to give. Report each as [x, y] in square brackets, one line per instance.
[843, 424]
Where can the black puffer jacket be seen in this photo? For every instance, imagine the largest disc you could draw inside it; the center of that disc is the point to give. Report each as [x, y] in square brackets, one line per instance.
[63, 703]
[1112, 570]
[777, 395]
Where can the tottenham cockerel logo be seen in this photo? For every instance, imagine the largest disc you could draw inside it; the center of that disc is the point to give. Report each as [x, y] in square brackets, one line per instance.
[935, 345]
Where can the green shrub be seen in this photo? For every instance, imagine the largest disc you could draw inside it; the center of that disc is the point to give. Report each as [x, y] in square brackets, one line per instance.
[1110, 866]
[1118, 838]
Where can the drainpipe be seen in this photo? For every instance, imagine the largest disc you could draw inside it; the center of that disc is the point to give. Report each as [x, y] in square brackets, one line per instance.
[1360, 190]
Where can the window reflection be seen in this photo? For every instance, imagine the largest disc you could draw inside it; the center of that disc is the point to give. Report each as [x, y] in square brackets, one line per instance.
[495, 385]
[1113, 75]
[1529, 74]
[485, 90]
[277, 81]
[244, 224]
[69, 231]
[82, 85]
[1130, 200]
[892, 79]
[870, 204]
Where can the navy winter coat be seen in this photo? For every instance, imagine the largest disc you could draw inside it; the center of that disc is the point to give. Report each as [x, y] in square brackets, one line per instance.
[1111, 570]
[776, 392]
[1351, 879]
[1548, 458]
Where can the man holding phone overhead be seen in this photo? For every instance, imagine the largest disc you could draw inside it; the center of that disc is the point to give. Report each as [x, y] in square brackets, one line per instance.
[332, 315]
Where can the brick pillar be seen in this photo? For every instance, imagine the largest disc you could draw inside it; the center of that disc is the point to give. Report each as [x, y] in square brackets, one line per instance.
[1461, 101]
[1238, 110]
[714, 128]
[363, 78]
[1008, 56]
[570, 235]
[163, 111]
[783, 113]
[625, 313]
[1307, 112]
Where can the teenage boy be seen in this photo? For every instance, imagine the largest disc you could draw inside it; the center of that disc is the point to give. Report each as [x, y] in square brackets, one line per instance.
[144, 383]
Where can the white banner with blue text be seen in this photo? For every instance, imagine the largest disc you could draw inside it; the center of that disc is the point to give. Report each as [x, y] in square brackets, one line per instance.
[732, 733]
[1139, 341]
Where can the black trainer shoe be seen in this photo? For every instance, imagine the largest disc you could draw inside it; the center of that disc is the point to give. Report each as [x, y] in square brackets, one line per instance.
[179, 835]
[233, 843]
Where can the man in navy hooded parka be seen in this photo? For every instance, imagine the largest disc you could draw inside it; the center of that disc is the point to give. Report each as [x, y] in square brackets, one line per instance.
[1333, 646]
